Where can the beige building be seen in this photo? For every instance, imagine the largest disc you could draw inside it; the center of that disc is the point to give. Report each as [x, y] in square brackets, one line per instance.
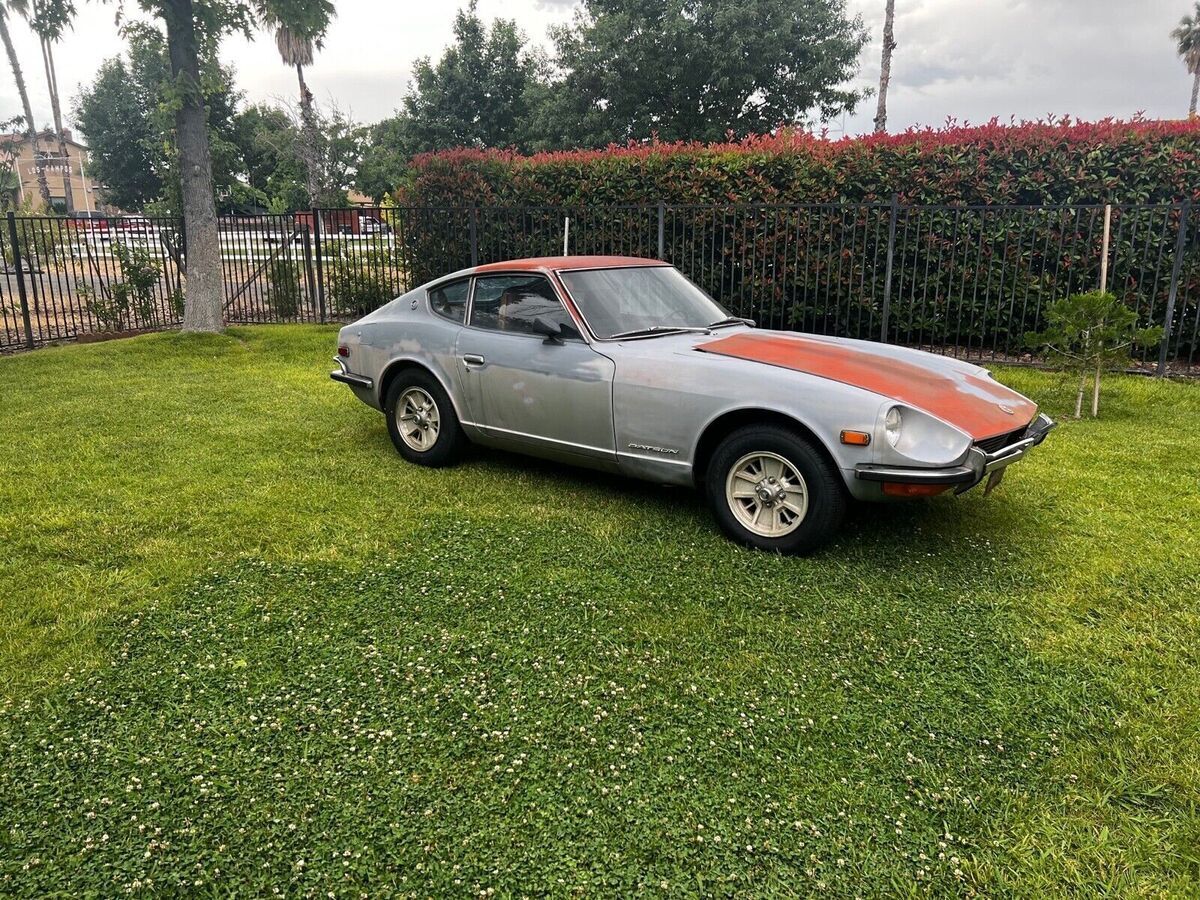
[24, 161]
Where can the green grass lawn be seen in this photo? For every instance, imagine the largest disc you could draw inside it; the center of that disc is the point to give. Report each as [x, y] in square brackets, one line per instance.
[244, 647]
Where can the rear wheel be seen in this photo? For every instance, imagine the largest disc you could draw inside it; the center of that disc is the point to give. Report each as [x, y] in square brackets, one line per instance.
[421, 420]
[772, 489]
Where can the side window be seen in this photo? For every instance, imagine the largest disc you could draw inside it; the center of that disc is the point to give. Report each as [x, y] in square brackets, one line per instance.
[450, 300]
[512, 302]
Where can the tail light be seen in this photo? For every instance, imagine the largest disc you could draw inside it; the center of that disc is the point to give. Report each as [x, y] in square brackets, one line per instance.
[343, 350]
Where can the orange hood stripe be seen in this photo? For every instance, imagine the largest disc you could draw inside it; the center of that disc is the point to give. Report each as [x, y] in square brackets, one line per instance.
[974, 403]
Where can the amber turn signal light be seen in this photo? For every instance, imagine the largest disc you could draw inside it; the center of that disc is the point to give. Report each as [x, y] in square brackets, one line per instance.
[893, 489]
[856, 438]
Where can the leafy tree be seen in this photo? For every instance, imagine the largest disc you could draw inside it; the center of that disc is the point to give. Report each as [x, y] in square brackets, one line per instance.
[125, 156]
[194, 28]
[476, 94]
[273, 144]
[1187, 42]
[1089, 332]
[698, 69]
[132, 130]
[267, 139]
[299, 29]
[387, 148]
[9, 151]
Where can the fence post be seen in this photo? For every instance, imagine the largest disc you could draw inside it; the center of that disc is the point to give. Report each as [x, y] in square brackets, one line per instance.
[662, 215]
[316, 230]
[887, 277]
[474, 230]
[1180, 243]
[16, 258]
[308, 269]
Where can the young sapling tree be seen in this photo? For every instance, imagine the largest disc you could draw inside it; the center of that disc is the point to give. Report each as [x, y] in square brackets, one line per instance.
[1087, 333]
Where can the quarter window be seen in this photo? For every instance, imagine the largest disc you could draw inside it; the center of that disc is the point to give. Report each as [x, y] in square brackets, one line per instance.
[513, 302]
[450, 300]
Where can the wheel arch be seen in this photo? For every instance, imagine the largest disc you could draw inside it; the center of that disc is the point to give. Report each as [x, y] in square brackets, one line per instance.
[397, 366]
[730, 421]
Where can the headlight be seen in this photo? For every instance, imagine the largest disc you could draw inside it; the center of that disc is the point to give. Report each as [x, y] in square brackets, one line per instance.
[892, 424]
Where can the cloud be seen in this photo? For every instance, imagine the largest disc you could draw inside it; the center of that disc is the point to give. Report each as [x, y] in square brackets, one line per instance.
[970, 59]
[975, 60]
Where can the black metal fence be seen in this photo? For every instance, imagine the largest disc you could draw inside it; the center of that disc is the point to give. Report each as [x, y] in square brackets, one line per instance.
[966, 280]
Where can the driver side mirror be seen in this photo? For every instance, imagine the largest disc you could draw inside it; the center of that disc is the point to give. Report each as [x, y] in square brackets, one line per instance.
[552, 332]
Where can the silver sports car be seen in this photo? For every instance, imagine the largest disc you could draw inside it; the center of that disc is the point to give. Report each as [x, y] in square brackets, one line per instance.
[623, 364]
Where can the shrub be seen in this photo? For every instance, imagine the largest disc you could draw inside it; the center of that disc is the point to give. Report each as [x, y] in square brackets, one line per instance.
[1061, 161]
[359, 280]
[284, 294]
[133, 301]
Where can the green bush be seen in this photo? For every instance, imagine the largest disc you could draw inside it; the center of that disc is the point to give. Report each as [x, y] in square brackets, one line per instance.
[134, 301]
[284, 293]
[360, 280]
[1030, 163]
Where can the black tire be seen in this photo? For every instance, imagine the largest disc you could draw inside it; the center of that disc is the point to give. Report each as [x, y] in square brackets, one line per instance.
[823, 488]
[450, 440]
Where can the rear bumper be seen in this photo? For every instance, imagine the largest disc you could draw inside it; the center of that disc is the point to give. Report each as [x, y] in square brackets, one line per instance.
[343, 374]
[977, 466]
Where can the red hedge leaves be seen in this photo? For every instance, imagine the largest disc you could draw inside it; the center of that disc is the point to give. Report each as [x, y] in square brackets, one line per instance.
[1060, 161]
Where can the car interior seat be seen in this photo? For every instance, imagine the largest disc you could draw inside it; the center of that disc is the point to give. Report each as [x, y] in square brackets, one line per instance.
[506, 311]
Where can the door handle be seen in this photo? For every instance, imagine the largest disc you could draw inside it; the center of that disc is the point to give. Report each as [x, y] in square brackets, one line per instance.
[473, 359]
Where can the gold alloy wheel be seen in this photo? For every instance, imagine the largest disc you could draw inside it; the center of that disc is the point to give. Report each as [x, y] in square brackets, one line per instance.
[417, 419]
[767, 494]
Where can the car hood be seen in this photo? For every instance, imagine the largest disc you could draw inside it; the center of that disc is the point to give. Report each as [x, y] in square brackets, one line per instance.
[965, 397]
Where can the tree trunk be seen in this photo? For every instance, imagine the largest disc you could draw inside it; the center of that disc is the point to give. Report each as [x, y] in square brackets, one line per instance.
[1096, 392]
[885, 66]
[1195, 92]
[30, 125]
[56, 108]
[202, 292]
[1079, 396]
[308, 138]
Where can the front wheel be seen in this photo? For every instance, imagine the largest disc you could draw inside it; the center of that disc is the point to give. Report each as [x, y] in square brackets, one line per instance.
[772, 489]
[421, 420]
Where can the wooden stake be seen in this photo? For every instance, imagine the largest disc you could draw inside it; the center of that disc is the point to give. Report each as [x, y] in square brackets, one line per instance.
[1104, 249]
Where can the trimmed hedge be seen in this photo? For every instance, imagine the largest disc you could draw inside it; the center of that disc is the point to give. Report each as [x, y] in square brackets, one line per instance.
[1062, 161]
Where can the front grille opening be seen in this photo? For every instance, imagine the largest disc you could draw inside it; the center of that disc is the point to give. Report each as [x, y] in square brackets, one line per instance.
[1000, 441]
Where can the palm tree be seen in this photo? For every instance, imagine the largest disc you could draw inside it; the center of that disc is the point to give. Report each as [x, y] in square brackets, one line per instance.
[21, 8]
[299, 34]
[1187, 38]
[49, 28]
[885, 66]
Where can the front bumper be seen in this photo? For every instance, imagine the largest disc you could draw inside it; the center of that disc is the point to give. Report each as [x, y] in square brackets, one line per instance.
[343, 374]
[977, 466]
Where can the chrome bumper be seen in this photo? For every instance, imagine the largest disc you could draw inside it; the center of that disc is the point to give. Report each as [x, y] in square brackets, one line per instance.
[974, 469]
[343, 374]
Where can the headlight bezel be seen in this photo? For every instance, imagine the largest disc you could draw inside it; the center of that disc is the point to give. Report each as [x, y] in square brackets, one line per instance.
[918, 438]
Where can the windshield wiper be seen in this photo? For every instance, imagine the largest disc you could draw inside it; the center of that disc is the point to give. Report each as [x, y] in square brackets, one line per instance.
[660, 329]
[731, 320]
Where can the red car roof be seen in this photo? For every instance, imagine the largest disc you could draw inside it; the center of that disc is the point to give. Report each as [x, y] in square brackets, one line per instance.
[567, 262]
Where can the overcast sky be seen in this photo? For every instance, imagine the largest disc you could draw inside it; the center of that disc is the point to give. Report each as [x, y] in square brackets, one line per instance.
[967, 59]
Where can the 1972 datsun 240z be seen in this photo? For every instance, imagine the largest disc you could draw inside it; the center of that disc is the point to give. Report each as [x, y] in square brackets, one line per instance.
[624, 365]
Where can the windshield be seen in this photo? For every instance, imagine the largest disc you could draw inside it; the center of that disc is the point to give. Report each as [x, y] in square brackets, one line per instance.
[659, 298]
